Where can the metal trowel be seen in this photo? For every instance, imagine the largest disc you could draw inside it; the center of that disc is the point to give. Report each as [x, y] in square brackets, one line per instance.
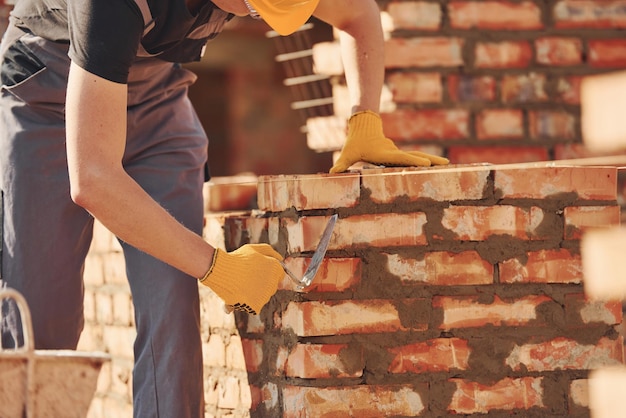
[306, 280]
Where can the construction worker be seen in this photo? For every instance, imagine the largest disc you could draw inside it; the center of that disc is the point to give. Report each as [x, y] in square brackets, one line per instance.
[95, 123]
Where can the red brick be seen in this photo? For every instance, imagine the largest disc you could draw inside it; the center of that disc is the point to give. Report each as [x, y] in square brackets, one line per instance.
[308, 319]
[583, 310]
[415, 15]
[363, 401]
[551, 124]
[579, 218]
[253, 354]
[500, 124]
[466, 88]
[440, 354]
[566, 354]
[545, 266]
[230, 193]
[415, 87]
[505, 54]
[376, 230]
[496, 154]
[579, 393]
[477, 223]
[559, 51]
[334, 274]
[423, 52]
[590, 14]
[499, 15]
[607, 53]
[568, 89]
[436, 184]
[319, 191]
[405, 125]
[469, 312]
[442, 268]
[238, 229]
[523, 88]
[589, 183]
[507, 394]
[319, 361]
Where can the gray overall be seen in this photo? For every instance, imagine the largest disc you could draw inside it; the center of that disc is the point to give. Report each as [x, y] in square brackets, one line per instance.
[45, 236]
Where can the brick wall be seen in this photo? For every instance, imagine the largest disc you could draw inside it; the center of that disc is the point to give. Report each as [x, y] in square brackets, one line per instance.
[444, 292]
[486, 81]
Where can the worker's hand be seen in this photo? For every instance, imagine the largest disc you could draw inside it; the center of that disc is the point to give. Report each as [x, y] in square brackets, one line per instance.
[245, 278]
[366, 142]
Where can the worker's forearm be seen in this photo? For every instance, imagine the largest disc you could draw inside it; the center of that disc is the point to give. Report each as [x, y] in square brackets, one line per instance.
[133, 216]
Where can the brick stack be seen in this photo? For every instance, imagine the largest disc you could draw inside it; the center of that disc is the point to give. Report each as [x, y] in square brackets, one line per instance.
[485, 81]
[445, 291]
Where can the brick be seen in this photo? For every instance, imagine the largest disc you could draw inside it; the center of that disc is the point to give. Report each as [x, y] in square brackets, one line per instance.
[363, 401]
[524, 88]
[442, 268]
[602, 101]
[590, 14]
[405, 125]
[544, 266]
[555, 51]
[230, 193]
[495, 15]
[500, 124]
[334, 274]
[607, 53]
[388, 229]
[214, 351]
[579, 393]
[606, 391]
[308, 319]
[579, 218]
[242, 229]
[114, 268]
[437, 355]
[580, 309]
[235, 359]
[469, 312]
[423, 52]
[477, 223]
[320, 191]
[253, 354]
[123, 313]
[603, 263]
[228, 392]
[496, 154]
[104, 308]
[506, 394]
[327, 58]
[550, 124]
[118, 341]
[505, 54]
[568, 89]
[415, 15]
[437, 185]
[566, 354]
[466, 88]
[411, 87]
[319, 361]
[326, 133]
[589, 183]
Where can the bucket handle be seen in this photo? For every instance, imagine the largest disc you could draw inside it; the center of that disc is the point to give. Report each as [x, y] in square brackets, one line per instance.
[28, 347]
[27, 327]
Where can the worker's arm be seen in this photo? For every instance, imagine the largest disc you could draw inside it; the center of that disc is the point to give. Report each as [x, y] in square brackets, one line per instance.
[362, 50]
[96, 136]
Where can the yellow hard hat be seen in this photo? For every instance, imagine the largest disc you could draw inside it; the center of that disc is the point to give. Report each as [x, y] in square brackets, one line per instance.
[284, 16]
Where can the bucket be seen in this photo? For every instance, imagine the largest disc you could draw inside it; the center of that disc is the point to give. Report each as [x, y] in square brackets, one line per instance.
[45, 383]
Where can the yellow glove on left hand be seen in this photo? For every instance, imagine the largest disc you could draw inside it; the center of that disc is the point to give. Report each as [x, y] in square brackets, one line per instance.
[366, 142]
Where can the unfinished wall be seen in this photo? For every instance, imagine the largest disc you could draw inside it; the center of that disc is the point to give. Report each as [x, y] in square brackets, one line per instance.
[444, 291]
[486, 81]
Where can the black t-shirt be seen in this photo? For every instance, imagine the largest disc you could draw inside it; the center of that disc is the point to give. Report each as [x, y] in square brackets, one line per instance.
[106, 36]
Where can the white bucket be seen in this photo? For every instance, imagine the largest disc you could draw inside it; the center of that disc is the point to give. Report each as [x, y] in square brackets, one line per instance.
[45, 383]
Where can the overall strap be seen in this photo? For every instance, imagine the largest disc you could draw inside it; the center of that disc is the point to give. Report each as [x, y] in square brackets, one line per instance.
[148, 21]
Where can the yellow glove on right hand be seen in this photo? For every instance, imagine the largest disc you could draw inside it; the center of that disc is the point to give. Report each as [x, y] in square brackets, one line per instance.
[366, 142]
[245, 278]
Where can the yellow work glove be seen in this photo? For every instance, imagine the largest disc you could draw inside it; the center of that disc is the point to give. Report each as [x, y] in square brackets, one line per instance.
[245, 278]
[367, 142]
